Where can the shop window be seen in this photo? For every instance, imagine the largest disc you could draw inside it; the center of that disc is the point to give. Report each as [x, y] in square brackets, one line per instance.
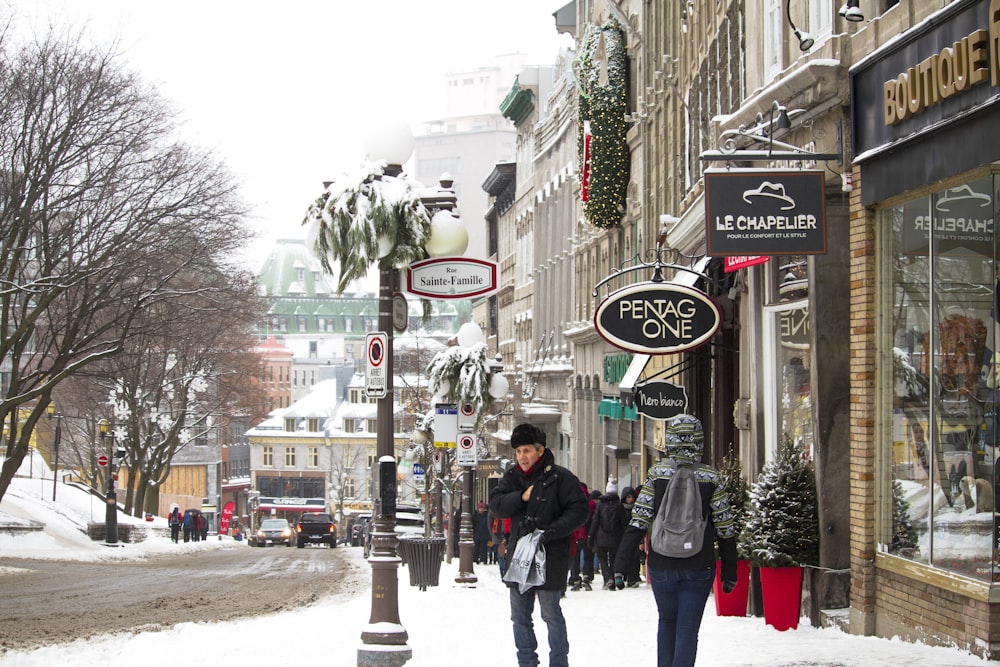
[940, 412]
[787, 336]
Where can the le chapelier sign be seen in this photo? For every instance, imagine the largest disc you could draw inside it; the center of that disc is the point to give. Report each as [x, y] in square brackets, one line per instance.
[773, 212]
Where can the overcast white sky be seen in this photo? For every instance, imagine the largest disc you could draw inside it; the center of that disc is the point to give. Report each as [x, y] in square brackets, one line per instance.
[283, 91]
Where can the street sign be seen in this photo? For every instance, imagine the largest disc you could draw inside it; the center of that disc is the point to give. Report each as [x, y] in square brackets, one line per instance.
[445, 425]
[376, 351]
[465, 453]
[451, 278]
[102, 460]
[466, 416]
[438, 458]
[418, 473]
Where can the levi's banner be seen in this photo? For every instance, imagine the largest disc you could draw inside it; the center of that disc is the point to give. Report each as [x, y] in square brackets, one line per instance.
[227, 514]
[774, 212]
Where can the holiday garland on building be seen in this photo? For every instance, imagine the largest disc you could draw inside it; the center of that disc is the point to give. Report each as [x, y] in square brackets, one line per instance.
[602, 72]
[782, 528]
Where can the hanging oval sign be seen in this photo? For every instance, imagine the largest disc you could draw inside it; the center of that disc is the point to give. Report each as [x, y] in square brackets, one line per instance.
[657, 318]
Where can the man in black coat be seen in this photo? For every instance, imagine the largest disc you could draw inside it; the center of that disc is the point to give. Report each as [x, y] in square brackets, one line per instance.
[537, 493]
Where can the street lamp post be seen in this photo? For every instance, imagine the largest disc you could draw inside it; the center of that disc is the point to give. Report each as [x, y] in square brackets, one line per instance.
[111, 510]
[51, 409]
[398, 230]
[466, 543]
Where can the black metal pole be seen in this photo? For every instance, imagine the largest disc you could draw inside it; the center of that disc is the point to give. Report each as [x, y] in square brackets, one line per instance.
[466, 573]
[384, 627]
[111, 510]
[55, 462]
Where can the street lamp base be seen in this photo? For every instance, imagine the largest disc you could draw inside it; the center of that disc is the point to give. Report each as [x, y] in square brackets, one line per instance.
[466, 578]
[375, 655]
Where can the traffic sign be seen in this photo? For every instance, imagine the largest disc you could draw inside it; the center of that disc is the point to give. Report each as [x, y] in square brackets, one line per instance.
[466, 416]
[418, 473]
[465, 453]
[102, 460]
[376, 351]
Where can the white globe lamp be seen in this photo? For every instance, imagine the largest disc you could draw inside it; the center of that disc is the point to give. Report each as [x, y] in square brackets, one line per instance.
[469, 334]
[391, 141]
[448, 237]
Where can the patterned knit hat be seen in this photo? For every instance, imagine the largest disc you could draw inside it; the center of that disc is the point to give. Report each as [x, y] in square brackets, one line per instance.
[683, 429]
[683, 438]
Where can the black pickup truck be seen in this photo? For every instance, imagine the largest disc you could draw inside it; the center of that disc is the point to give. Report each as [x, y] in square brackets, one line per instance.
[315, 528]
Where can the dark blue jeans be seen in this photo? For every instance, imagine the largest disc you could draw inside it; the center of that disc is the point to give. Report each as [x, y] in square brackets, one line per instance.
[680, 599]
[521, 608]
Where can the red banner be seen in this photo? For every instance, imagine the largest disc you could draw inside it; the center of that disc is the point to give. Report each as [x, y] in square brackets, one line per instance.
[736, 262]
[227, 514]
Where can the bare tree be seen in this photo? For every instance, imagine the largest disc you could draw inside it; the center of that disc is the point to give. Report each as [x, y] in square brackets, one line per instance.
[102, 211]
[343, 465]
[179, 379]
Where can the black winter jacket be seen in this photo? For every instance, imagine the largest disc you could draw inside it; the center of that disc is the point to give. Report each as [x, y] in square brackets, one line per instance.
[608, 525]
[557, 505]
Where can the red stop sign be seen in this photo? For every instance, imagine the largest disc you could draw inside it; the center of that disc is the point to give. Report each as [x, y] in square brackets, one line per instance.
[102, 460]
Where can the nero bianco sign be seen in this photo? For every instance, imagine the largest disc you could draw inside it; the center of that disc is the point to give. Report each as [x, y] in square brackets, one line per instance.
[657, 318]
[451, 278]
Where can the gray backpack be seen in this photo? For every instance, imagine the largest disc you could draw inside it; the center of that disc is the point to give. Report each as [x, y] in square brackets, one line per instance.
[679, 528]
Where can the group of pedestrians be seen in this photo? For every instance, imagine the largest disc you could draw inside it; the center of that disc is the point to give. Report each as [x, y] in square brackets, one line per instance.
[576, 527]
[604, 536]
[192, 524]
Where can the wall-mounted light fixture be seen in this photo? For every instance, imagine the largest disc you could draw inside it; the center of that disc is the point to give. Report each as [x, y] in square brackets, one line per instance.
[851, 11]
[806, 40]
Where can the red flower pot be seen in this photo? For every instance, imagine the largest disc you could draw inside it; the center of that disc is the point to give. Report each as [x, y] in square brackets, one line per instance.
[781, 588]
[733, 603]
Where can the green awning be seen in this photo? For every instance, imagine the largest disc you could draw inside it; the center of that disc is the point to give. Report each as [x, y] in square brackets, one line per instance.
[610, 408]
[630, 413]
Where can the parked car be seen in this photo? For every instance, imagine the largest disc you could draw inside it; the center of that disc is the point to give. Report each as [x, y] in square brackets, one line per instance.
[274, 531]
[315, 528]
[409, 520]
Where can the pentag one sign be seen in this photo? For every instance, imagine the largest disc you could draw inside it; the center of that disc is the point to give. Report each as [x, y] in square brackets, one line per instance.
[657, 318]
[771, 212]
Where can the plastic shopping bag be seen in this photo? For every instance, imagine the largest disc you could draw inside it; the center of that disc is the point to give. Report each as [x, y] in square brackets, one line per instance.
[527, 565]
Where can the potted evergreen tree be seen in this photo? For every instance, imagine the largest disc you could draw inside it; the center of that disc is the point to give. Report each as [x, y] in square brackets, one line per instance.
[735, 485]
[782, 532]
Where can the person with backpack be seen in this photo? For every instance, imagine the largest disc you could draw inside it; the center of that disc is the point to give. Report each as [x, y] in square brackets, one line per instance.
[685, 509]
[174, 521]
[606, 531]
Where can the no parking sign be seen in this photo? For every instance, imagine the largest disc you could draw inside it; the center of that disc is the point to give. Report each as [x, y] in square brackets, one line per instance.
[465, 453]
[376, 350]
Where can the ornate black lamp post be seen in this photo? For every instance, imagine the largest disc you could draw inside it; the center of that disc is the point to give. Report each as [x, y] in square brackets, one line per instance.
[111, 510]
[51, 410]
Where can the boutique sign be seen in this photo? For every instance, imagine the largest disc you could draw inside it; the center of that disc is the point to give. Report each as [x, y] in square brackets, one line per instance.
[660, 399]
[657, 318]
[750, 212]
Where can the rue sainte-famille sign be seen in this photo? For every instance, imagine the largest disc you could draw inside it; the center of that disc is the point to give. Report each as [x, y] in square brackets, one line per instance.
[774, 212]
[657, 318]
[451, 278]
